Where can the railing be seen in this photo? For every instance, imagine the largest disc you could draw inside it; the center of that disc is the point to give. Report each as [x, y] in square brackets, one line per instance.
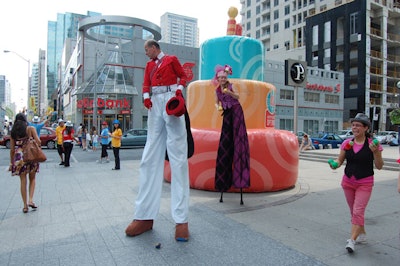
[393, 74]
[376, 32]
[375, 87]
[375, 70]
[376, 54]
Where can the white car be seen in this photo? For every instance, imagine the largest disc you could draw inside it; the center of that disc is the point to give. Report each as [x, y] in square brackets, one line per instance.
[383, 136]
[345, 134]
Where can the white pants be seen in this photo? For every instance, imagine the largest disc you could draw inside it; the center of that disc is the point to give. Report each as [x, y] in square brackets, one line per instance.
[164, 132]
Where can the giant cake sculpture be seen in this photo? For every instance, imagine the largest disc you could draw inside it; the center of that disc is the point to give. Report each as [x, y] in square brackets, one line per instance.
[273, 153]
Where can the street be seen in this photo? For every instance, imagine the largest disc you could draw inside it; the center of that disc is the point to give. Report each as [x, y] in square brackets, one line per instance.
[78, 155]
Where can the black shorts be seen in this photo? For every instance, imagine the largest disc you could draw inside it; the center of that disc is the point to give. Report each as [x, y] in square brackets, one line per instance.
[60, 149]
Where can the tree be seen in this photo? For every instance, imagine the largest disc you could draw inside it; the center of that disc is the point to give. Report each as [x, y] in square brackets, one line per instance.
[395, 117]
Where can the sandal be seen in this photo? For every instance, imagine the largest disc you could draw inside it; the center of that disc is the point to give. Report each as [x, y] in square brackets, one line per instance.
[32, 205]
[25, 210]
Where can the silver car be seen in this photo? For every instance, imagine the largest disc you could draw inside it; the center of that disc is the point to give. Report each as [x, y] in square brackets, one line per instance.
[345, 134]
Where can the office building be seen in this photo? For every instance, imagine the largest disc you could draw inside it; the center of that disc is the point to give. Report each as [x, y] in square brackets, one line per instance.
[5, 101]
[103, 74]
[179, 30]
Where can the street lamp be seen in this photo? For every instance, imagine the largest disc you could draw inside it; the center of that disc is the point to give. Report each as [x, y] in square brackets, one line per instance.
[26, 60]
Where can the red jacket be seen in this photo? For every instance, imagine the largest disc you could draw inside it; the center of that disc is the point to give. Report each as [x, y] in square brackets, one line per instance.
[166, 74]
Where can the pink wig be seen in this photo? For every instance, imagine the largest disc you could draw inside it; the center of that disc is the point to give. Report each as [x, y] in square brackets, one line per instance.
[221, 71]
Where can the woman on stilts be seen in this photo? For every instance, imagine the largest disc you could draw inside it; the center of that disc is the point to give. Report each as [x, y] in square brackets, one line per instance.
[233, 158]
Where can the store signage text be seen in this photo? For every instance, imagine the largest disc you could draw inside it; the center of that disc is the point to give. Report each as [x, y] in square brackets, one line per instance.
[320, 87]
[101, 103]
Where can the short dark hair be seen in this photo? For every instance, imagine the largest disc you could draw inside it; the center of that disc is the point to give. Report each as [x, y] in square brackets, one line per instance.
[152, 42]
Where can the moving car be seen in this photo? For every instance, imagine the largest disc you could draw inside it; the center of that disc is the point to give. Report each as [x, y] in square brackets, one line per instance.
[345, 134]
[326, 139]
[134, 137]
[48, 138]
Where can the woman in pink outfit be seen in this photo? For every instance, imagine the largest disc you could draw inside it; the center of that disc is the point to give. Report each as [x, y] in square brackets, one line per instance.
[361, 154]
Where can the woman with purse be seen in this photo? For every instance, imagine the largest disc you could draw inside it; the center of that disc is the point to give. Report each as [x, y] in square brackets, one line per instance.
[20, 135]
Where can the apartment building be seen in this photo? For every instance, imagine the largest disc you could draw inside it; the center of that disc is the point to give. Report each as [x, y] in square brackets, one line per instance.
[179, 30]
[356, 37]
[362, 40]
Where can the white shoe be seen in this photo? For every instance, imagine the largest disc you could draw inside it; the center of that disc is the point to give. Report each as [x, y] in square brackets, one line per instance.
[350, 245]
[98, 161]
[361, 239]
[108, 161]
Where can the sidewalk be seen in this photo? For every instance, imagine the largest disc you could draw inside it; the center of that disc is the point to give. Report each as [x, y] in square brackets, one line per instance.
[84, 210]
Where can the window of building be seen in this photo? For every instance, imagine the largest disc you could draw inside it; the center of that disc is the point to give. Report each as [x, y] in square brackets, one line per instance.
[248, 3]
[258, 10]
[248, 14]
[354, 23]
[266, 31]
[311, 126]
[276, 27]
[276, 2]
[327, 31]
[287, 10]
[322, 8]
[311, 97]
[257, 34]
[299, 19]
[286, 94]
[286, 124]
[315, 35]
[248, 25]
[299, 4]
[276, 14]
[331, 126]
[258, 22]
[287, 23]
[329, 98]
[276, 46]
[287, 45]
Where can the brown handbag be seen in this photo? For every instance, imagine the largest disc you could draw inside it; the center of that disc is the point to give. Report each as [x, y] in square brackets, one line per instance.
[32, 152]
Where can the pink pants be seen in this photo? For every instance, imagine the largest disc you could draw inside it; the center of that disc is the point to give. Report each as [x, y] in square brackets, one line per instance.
[357, 197]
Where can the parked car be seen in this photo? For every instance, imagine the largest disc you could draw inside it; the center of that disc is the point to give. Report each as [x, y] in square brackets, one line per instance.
[382, 136]
[325, 139]
[345, 134]
[134, 137]
[48, 138]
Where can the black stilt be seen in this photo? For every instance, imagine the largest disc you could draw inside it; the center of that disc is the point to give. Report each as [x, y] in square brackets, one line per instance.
[220, 200]
[241, 196]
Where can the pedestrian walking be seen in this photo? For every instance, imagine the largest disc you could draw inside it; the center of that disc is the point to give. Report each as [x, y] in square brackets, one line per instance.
[116, 136]
[59, 133]
[361, 154]
[95, 139]
[68, 142]
[165, 78]
[83, 137]
[20, 133]
[105, 134]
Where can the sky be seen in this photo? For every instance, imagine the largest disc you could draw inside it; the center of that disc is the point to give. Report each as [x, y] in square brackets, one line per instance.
[23, 27]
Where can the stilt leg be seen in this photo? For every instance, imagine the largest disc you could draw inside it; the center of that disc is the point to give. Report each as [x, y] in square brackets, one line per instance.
[241, 197]
[220, 200]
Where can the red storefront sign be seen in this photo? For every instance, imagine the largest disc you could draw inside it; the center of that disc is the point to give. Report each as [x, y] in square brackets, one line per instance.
[101, 103]
[90, 112]
[320, 87]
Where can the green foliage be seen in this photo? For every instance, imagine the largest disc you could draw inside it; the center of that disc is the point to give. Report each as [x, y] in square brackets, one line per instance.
[395, 117]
